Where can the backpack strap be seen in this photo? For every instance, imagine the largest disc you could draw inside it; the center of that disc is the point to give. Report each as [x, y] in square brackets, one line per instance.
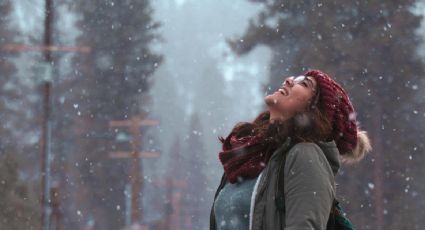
[280, 194]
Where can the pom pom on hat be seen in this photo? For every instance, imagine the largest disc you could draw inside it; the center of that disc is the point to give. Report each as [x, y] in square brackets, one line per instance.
[352, 143]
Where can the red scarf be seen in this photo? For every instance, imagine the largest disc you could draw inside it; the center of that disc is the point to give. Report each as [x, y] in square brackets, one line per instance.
[243, 158]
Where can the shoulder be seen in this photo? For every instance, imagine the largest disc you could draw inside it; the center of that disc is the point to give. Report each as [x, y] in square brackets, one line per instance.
[305, 150]
[306, 146]
[308, 187]
[307, 156]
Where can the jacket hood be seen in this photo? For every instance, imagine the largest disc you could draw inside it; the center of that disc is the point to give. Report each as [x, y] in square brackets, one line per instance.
[332, 154]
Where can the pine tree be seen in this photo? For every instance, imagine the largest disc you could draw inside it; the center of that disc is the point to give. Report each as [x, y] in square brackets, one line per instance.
[176, 186]
[113, 80]
[20, 209]
[7, 72]
[196, 195]
[18, 198]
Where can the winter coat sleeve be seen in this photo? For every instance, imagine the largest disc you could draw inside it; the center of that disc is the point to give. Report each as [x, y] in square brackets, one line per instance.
[308, 187]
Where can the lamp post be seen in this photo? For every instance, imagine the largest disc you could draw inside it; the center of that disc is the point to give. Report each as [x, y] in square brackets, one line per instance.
[46, 123]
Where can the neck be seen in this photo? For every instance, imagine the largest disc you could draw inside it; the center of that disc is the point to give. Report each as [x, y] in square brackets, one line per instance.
[274, 115]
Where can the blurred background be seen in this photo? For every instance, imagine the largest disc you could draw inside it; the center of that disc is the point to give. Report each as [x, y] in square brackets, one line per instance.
[111, 110]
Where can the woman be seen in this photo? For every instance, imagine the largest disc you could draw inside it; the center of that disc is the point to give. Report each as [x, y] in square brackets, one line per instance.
[311, 122]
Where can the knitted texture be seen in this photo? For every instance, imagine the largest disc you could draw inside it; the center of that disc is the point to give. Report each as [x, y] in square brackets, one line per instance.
[242, 157]
[334, 101]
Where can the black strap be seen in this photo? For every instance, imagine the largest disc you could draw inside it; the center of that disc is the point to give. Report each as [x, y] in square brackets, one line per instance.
[280, 193]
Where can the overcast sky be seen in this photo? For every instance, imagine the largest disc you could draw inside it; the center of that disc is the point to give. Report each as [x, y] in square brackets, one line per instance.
[210, 81]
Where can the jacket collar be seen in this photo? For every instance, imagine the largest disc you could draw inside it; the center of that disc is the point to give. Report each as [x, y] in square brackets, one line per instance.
[332, 154]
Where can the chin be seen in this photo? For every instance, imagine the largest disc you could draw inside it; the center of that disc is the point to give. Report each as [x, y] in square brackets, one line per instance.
[270, 100]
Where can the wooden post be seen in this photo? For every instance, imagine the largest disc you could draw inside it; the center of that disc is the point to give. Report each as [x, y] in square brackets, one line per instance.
[134, 125]
[45, 48]
[56, 214]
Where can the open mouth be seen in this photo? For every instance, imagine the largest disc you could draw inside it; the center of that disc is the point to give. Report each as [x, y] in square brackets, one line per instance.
[283, 91]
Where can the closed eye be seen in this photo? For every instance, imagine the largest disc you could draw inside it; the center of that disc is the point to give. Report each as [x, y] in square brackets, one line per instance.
[309, 83]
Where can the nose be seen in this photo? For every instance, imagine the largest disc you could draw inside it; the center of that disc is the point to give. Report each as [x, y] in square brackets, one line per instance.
[288, 81]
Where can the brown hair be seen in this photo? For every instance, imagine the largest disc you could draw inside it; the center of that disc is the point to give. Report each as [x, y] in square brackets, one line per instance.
[308, 126]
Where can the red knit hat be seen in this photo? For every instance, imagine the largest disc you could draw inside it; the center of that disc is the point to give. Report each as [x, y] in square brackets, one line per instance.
[334, 102]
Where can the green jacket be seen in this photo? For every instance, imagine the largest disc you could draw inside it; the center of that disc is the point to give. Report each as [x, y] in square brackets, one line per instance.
[309, 187]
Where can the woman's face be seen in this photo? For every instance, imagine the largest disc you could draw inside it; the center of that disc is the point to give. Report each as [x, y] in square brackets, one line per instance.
[295, 94]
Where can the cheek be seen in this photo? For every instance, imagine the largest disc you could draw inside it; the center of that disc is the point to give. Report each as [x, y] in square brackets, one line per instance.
[294, 104]
[297, 103]
[304, 100]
